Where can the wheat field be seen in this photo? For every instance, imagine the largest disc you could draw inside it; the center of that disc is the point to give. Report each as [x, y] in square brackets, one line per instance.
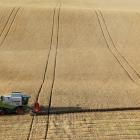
[80, 60]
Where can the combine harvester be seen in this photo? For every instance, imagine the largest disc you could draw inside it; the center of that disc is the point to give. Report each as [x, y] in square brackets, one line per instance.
[17, 103]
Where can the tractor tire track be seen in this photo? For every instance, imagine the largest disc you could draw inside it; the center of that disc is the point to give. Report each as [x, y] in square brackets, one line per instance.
[15, 11]
[116, 47]
[7, 21]
[131, 73]
[44, 76]
[54, 72]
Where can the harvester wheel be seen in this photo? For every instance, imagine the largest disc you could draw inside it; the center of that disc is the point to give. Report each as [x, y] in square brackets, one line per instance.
[2, 112]
[19, 111]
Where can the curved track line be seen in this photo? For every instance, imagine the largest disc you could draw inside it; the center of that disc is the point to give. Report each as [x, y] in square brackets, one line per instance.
[10, 27]
[115, 54]
[7, 21]
[116, 47]
[44, 76]
[58, 22]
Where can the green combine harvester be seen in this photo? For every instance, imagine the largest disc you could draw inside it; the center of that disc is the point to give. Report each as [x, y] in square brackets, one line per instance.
[16, 102]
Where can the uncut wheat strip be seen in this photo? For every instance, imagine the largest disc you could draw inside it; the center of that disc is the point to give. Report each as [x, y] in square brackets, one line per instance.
[126, 40]
[117, 5]
[4, 16]
[49, 77]
[8, 25]
[26, 76]
[87, 74]
[132, 73]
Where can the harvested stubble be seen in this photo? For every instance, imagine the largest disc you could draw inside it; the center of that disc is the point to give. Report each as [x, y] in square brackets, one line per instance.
[89, 126]
[14, 127]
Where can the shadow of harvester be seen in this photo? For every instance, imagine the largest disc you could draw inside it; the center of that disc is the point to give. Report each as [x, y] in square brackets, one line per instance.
[64, 110]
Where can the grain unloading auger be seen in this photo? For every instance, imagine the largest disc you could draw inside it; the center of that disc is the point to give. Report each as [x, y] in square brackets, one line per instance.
[17, 103]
